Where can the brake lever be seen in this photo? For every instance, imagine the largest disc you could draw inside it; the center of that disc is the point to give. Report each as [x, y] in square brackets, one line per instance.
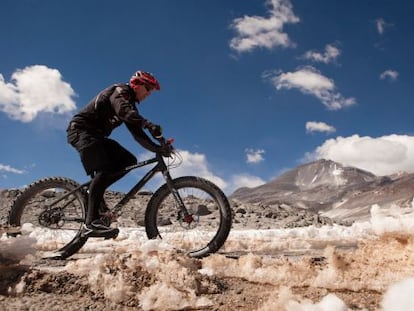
[166, 142]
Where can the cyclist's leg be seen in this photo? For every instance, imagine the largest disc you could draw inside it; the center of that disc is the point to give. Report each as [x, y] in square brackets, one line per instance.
[95, 160]
[120, 157]
[106, 158]
[95, 194]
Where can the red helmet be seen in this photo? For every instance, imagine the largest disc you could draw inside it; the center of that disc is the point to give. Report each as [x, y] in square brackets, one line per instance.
[146, 78]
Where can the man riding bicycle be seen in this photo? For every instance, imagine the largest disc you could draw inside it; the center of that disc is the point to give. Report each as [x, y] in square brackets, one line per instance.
[101, 157]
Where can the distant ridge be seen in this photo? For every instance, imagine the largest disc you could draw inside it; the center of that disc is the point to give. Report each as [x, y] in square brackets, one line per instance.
[332, 189]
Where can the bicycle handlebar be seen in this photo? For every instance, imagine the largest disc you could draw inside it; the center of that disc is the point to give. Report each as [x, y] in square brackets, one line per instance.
[170, 141]
[164, 141]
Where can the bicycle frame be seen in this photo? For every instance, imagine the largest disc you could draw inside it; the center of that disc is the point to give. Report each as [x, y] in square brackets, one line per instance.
[159, 167]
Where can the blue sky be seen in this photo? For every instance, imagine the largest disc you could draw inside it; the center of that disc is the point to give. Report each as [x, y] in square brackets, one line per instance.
[249, 89]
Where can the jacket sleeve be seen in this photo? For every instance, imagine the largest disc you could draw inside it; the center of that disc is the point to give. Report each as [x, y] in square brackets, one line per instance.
[142, 138]
[124, 107]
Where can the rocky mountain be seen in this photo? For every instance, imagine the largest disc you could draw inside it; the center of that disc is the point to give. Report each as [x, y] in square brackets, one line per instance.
[332, 190]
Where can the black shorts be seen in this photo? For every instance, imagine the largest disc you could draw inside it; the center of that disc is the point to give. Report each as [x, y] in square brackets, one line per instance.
[100, 153]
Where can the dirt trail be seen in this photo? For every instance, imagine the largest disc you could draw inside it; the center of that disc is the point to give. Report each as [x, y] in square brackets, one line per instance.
[163, 280]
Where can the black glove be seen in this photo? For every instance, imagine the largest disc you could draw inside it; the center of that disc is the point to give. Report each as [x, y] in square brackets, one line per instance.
[166, 150]
[155, 130]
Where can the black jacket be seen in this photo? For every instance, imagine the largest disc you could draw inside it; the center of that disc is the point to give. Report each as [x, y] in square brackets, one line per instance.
[109, 109]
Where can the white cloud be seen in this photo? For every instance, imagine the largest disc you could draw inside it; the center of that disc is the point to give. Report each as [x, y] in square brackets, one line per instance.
[257, 31]
[382, 155]
[244, 180]
[389, 74]
[331, 54]
[195, 164]
[33, 90]
[313, 126]
[309, 80]
[254, 156]
[380, 23]
[9, 169]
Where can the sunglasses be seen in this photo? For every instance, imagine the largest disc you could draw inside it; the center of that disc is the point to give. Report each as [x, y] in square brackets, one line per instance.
[147, 88]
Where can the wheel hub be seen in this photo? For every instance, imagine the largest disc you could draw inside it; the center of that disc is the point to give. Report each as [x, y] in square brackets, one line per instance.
[51, 217]
[189, 221]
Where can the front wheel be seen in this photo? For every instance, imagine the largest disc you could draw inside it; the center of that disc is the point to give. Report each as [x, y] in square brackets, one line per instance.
[207, 224]
[52, 210]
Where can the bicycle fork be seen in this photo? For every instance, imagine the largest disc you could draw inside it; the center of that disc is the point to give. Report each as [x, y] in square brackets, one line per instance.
[184, 215]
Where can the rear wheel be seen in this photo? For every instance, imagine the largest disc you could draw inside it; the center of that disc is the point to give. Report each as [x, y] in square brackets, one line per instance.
[198, 234]
[45, 212]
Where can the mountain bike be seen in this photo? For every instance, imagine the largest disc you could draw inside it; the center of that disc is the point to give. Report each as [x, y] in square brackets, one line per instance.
[190, 212]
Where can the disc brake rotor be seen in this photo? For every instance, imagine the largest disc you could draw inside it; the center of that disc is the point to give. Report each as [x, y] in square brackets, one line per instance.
[50, 217]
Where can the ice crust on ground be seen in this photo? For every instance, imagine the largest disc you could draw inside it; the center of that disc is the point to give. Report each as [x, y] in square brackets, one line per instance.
[378, 256]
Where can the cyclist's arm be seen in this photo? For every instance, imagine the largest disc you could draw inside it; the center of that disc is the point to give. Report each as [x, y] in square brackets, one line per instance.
[142, 138]
[124, 107]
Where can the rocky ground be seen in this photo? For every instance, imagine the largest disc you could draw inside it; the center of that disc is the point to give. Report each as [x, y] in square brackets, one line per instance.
[358, 277]
[44, 285]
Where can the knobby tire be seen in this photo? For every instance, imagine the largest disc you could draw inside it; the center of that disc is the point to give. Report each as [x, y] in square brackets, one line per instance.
[62, 221]
[208, 205]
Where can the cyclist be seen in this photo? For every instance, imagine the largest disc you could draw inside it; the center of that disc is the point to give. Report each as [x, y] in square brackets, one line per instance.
[101, 157]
